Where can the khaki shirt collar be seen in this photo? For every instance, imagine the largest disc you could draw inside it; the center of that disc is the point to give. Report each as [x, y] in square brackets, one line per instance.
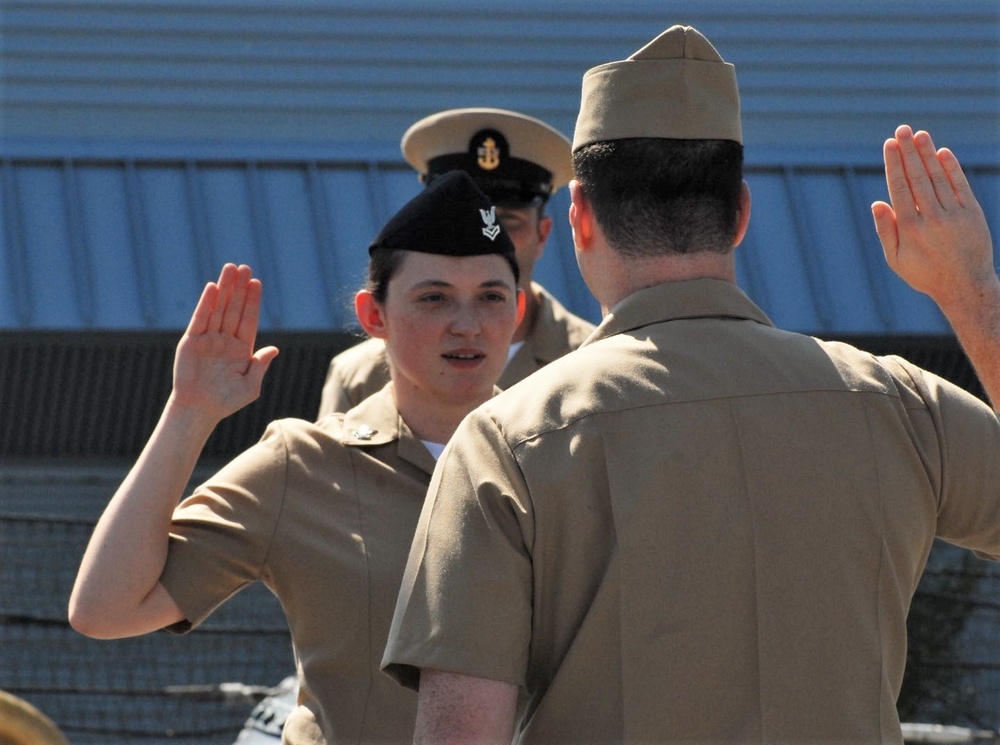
[376, 421]
[694, 298]
[547, 339]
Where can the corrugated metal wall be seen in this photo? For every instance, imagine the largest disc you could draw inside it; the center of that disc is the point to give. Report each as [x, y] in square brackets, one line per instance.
[127, 243]
[146, 141]
[325, 71]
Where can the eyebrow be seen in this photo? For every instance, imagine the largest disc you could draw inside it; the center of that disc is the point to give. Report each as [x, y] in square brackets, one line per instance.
[513, 215]
[442, 283]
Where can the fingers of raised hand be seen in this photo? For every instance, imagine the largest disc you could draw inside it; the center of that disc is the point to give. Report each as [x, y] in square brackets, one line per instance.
[232, 282]
[232, 313]
[259, 363]
[246, 329]
[230, 305]
[897, 179]
[885, 227]
[224, 303]
[941, 186]
[956, 178]
[217, 293]
[203, 310]
[920, 180]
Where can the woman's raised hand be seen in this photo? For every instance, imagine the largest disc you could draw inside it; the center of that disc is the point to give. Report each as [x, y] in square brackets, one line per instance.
[216, 368]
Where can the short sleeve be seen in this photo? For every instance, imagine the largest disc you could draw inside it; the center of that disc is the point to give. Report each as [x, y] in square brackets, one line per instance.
[220, 535]
[968, 433]
[465, 601]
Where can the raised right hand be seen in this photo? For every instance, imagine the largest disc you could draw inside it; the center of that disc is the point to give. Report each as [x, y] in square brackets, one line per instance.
[934, 233]
[215, 368]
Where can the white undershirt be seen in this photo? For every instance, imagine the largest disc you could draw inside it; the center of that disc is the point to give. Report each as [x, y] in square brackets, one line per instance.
[514, 348]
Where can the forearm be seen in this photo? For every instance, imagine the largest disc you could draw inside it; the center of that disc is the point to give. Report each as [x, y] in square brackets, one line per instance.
[975, 318]
[456, 709]
[114, 591]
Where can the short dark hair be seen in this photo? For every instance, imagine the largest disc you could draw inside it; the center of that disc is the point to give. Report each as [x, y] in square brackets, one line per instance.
[654, 196]
[382, 267]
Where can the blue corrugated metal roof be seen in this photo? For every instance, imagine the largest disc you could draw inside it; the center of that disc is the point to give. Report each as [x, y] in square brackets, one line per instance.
[127, 243]
[144, 142]
[812, 260]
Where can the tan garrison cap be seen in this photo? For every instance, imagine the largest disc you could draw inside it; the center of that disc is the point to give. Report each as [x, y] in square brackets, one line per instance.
[511, 157]
[675, 87]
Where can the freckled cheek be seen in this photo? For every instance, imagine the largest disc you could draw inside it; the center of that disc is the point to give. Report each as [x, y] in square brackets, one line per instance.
[500, 325]
[421, 329]
[415, 346]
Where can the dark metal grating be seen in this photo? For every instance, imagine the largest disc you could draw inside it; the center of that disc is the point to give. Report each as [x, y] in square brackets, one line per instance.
[99, 395]
[70, 394]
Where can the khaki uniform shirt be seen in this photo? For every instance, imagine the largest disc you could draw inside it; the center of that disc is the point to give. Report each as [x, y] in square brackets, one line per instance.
[361, 370]
[698, 529]
[323, 514]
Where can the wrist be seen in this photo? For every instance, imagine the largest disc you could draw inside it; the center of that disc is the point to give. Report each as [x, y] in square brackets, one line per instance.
[974, 315]
[192, 416]
[976, 299]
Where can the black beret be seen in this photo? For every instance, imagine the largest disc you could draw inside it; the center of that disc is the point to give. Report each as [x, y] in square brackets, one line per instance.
[451, 217]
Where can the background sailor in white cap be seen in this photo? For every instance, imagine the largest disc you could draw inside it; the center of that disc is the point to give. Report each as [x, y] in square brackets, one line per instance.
[519, 162]
[699, 527]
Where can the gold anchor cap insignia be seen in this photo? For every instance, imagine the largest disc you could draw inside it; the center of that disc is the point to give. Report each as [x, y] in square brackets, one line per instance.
[488, 155]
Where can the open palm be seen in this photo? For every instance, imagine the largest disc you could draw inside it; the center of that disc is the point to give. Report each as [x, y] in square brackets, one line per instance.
[215, 367]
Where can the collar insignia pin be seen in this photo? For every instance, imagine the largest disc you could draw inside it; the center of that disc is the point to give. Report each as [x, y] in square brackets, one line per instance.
[364, 433]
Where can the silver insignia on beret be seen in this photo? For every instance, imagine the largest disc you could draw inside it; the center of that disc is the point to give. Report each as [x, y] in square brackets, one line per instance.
[492, 230]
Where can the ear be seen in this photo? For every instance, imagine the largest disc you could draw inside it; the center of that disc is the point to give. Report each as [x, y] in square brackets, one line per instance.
[743, 218]
[370, 314]
[544, 229]
[581, 217]
[522, 303]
